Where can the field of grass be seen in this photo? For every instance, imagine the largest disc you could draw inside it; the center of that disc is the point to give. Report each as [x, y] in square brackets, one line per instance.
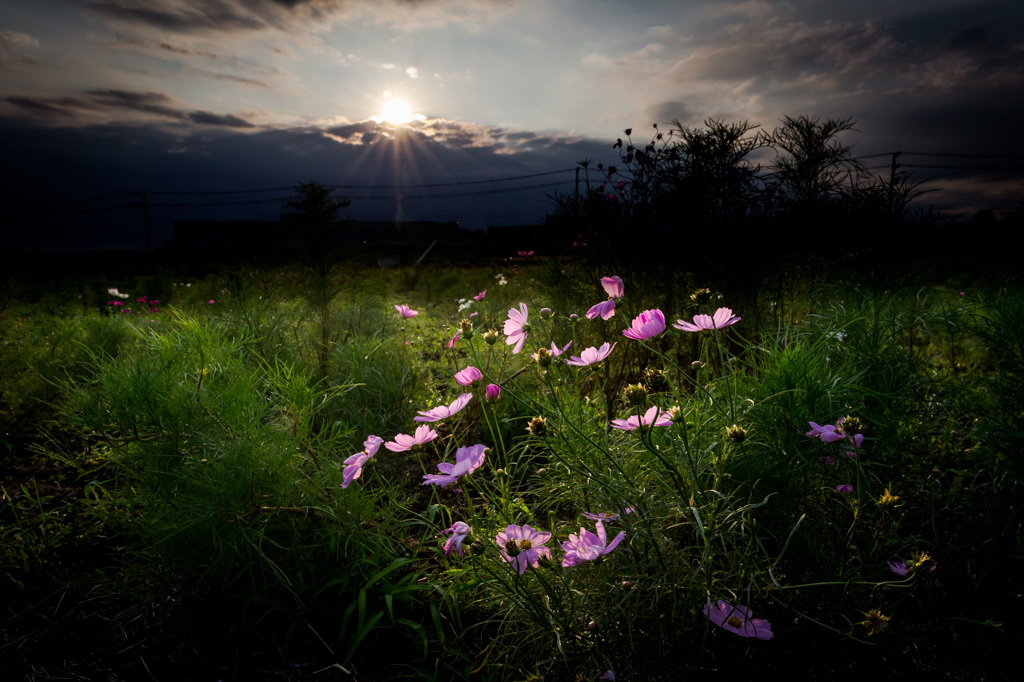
[268, 473]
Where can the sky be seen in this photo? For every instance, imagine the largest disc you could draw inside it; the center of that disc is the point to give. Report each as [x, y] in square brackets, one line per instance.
[476, 111]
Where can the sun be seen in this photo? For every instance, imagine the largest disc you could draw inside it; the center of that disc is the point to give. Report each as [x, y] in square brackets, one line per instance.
[396, 111]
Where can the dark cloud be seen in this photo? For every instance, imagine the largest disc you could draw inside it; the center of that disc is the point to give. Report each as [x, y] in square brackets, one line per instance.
[182, 17]
[211, 119]
[156, 103]
[125, 40]
[674, 110]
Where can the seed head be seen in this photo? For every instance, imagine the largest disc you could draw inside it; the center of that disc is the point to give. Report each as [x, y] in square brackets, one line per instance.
[875, 621]
[467, 329]
[700, 296]
[538, 426]
[635, 395]
[656, 381]
[887, 499]
[490, 337]
[544, 357]
[512, 548]
[851, 426]
[735, 433]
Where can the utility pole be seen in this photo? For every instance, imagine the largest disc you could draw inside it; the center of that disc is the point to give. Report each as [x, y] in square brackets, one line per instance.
[892, 171]
[577, 184]
[145, 215]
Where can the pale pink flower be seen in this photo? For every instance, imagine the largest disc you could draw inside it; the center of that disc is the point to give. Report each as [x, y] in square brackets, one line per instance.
[406, 311]
[355, 463]
[459, 532]
[443, 411]
[468, 376]
[402, 442]
[605, 310]
[649, 417]
[492, 391]
[737, 619]
[646, 325]
[480, 296]
[587, 546]
[517, 327]
[467, 460]
[723, 318]
[613, 286]
[591, 355]
[555, 351]
[902, 568]
[522, 546]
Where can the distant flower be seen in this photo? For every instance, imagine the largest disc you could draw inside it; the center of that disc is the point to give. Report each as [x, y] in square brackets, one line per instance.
[492, 391]
[591, 355]
[844, 488]
[517, 327]
[355, 463]
[723, 318]
[211, 301]
[901, 567]
[444, 411]
[830, 433]
[587, 546]
[613, 286]
[522, 546]
[555, 350]
[646, 325]
[114, 292]
[467, 460]
[737, 619]
[650, 417]
[406, 311]
[480, 296]
[608, 675]
[608, 516]
[459, 532]
[402, 442]
[605, 310]
[464, 304]
[525, 254]
[468, 376]
[451, 344]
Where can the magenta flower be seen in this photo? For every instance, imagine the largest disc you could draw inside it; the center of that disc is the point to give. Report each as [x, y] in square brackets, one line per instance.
[844, 488]
[830, 433]
[451, 344]
[605, 310]
[406, 311]
[355, 463]
[900, 567]
[613, 286]
[522, 546]
[737, 619]
[646, 325]
[480, 296]
[723, 318]
[459, 532]
[492, 391]
[649, 417]
[444, 411]
[211, 301]
[402, 442]
[586, 546]
[517, 327]
[467, 460]
[468, 376]
[591, 355]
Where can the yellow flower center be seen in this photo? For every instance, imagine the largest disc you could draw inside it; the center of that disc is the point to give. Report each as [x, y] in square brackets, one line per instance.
[735, 622]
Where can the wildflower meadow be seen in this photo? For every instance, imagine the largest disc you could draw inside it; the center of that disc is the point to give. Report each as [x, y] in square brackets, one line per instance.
[528, 469]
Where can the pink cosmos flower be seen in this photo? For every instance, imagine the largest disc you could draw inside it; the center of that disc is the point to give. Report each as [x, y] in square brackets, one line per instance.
[844, 488]
[613, 286]
[605, 310]
[646, 325]
[467, 460]
[492, 391]
[459, 532]
[402, 442]
[443, 411]
[406, 311]
[355, 463]
[592, 355]
[737, 619]
[900, 567]
[607, 516]
[451, 344]
[517, 327]
[555, 350]
[586, 546]
[650, 417]
[522, 546]
[480, 296]
[468, 376]
[723, 318]
[211, 301]
[830, 433]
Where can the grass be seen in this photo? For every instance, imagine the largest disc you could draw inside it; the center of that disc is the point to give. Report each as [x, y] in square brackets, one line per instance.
[172, 478]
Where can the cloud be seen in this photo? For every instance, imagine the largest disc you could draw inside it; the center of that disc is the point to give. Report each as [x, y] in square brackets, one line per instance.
[225, 120]
[17, 48]
[412, 72]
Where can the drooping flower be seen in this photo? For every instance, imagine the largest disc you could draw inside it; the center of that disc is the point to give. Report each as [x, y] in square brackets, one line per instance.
[605, 310]
[406, 311]
[844, 489]
[607, 675]
[517, 327]
[613, 286]
[492, 392]
[646, 325]
[468, 376]
[467, 460]
[459, 532]
[402, 442]
[522, 546]
[480, 296]
[737, 619]
[443, 411]
[591, 355]
[587, 546]
[830, 433]
[723, 318]
[901, 567]
[355, 463]
[650, 417]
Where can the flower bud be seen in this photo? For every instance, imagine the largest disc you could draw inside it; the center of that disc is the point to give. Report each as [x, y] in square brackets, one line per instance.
[492, 392]
[546, 312]
[592, 625]
[656, 381]
[737, 434]
[574, 317]
[491, 337]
